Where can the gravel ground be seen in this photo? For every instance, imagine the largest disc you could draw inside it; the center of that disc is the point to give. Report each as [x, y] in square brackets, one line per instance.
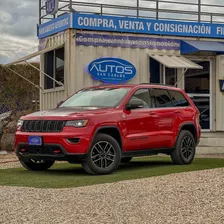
[195, 197]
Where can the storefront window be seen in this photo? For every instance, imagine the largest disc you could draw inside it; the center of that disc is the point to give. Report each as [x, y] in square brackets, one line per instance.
[197, 80]
[197, 86]
[54, 67]
[49, 69]
[59, 72]
[170, 76]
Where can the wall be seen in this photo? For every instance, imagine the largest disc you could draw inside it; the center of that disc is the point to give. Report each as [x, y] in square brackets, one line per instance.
[81, 56]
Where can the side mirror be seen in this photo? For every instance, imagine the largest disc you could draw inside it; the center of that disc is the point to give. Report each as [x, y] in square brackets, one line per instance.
[59, 104]
[134, 104]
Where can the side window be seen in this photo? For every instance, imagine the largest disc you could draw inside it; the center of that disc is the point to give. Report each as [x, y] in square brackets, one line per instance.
[178, 99]
[143, 94]
[161, 98]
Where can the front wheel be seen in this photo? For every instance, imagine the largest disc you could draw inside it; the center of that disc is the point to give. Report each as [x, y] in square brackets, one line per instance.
[104, 156]
[37, 165]
[184, 152]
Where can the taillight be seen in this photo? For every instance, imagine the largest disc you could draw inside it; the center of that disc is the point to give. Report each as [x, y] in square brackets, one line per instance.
[198, 119]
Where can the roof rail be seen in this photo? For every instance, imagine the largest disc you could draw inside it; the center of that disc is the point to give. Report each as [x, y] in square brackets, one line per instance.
[158, 84]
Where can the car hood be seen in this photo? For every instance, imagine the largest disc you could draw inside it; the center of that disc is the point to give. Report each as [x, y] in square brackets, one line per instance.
[69, 112]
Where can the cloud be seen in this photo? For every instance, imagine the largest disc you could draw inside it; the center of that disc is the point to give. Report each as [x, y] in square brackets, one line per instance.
[18, 20]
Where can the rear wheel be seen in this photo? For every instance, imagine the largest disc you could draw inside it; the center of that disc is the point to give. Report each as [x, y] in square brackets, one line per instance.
[126, 159]
[104, 156]
[37, 165]
[184, 152]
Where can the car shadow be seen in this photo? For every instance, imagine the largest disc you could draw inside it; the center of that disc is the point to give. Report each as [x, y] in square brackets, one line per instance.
[133, 165]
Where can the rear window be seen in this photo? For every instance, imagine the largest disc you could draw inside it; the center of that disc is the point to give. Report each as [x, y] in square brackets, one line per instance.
[178, 99]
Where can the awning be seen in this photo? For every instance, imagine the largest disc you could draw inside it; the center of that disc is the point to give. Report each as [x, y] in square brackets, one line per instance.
[25, 59]
[191, 46]
[176, 61]
[33, 55]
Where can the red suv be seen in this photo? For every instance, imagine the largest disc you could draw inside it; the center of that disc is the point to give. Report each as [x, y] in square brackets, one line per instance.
[103, 126]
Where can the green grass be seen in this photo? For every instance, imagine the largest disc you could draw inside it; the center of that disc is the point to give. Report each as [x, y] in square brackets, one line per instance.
[68, 175]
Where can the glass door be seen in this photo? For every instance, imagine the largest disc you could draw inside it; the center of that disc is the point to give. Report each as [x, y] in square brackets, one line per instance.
[197, 84]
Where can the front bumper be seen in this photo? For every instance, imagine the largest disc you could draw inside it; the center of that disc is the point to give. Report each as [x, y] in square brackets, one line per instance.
[54, 152]
[70, 141]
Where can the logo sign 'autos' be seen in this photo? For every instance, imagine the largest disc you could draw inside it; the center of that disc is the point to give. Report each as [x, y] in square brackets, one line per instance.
[112, 70]
[51, 6]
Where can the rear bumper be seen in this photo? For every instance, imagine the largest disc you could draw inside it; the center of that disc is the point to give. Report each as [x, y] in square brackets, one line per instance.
[53, 152]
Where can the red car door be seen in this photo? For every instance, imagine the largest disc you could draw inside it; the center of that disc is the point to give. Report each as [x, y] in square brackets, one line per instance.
[165, 117]
[140, 124]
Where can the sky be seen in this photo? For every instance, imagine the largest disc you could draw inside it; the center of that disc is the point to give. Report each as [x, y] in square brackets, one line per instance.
[19, 19]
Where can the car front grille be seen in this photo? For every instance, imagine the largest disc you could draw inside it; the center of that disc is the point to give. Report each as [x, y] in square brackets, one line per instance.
[43, 126]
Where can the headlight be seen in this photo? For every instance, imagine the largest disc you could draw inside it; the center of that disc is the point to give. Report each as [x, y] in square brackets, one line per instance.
[19, 123]
[77, 124]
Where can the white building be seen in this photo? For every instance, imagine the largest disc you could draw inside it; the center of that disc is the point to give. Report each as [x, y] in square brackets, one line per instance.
[167, 51]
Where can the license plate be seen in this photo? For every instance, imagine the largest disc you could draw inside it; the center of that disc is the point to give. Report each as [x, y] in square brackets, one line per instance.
[35, 140]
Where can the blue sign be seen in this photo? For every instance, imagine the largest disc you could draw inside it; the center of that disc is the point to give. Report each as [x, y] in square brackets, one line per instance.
[221, 85]
[146, 26]
[51, 6]
[112, 70]
[54, 26]
[95, 39]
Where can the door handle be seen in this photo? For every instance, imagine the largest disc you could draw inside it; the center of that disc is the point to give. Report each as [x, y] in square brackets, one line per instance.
[152, 113]
[177, 112]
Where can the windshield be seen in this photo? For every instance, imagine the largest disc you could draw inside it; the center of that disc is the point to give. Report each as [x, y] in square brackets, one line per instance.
[103, 97]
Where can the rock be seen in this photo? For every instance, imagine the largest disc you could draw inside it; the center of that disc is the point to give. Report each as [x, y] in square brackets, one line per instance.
[1, 128]
[7, 142]
[13, 118]
[11, 127]
[26, 112]
[19, 115]
[3, 152]
[23, 113]
[5, 123]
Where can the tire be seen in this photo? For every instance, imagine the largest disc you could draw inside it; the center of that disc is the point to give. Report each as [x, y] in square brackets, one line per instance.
[87, 169]
[184, 152]
[35, 166]
[126, 159]
[104, 155]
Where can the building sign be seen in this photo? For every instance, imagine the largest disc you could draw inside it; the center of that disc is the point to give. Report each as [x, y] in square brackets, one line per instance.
[126, 41]
[147, 26]
[130, 25]
[51, 6]
[221, 85]
[54, 26]
[112, 70]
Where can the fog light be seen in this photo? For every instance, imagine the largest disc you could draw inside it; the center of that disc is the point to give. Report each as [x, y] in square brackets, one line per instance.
[57, 151]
